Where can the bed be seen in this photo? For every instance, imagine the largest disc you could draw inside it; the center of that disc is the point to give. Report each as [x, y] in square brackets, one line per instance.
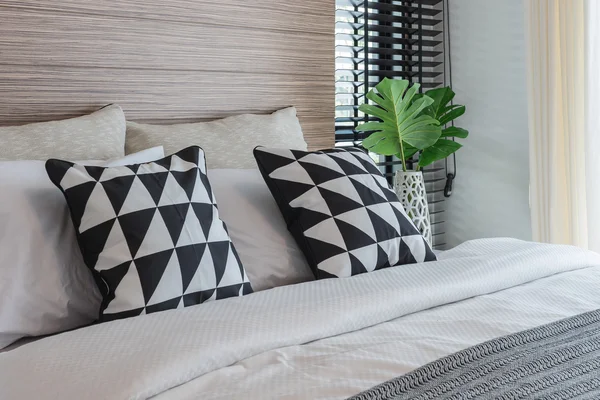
[318, 340]
[489, 318]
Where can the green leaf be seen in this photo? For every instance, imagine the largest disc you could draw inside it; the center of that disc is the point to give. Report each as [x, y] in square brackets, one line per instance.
[452, 115]
[440, 150]
[441, 109]
[454, 131]
[441, 97]
[409, 151]
[371, 127]
[375, 111]
[400, 109]
[382, 143]
[422, 136]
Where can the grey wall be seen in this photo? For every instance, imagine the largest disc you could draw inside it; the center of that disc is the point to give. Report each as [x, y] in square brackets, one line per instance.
[491, 193]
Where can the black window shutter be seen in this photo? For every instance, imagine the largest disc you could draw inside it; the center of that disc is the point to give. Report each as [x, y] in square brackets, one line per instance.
[394, 39]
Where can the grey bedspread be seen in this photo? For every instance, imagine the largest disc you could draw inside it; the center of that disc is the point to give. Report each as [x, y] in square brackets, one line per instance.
[560, 360]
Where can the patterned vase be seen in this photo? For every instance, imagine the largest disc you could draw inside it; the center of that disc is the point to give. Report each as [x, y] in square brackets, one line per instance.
[410, 188]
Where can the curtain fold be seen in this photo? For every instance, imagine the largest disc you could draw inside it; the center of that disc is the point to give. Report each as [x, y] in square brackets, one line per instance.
[558, 64]
[592, 99]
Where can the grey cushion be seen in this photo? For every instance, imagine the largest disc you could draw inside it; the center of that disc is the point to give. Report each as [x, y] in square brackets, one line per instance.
[97, 136]
[227, 142]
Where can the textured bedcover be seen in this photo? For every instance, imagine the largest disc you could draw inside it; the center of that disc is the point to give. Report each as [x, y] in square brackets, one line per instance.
[326, 339]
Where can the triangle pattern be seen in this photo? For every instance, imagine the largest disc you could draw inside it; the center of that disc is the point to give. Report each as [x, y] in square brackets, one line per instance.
[154, 183]
[219, 252]
[341, 211]
[189, 260]
[356, 266]
[232, 275]
[192, 154]
[201, 193]
[171, 283]
[320, 174]
[115, 275]
[192, 231]
[349, 164]
[294, 190]
[174, 217]
[202, 279]
[151, 269]
[97, 210]
[337, 266]
[138, 198]
[68, 176]
[359, 219]
[367, 256]
[354, 238]
[96, 239]
[327, 232]
[115, 249]
[323, 163]
[152, 234]
[293, 172]
[217, 233]
[127, 295]
[344, 187]
[312, 200]
[311, 218]
[204, 214]
[321, 251]
[178, 164]
[157, 238]
[187, 180]
[171, 304]
[368, 189]
[116, 172]
[367, 162]
[274, 161]
[94, 172]
[117, 189]
[173, 193]
[134, 226]
[77, 197]
[337, 202]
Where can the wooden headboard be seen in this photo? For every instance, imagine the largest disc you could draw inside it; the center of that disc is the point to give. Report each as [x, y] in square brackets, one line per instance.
[168, 61]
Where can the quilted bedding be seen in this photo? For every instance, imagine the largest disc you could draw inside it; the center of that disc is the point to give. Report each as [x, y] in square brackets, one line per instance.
[325, 339]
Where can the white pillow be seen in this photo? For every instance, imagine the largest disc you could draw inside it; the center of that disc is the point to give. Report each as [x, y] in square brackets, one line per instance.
[45, 286]
[268, 251]
[96, 136]
[227, 142]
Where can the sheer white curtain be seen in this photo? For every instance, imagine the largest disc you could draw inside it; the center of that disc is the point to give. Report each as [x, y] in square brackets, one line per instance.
[564, 111]
[592, 85]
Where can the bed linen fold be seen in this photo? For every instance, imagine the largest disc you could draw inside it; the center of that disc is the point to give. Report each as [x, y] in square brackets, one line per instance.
[145, 356]
[559, 360]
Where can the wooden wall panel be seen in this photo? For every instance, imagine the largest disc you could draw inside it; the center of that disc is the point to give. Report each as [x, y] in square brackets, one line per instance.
[168, 62]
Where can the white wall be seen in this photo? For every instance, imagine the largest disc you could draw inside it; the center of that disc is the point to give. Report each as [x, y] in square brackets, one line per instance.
[491, 192]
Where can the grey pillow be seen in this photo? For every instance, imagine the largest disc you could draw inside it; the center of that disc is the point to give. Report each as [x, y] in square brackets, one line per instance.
[227, 142]
[96, 136]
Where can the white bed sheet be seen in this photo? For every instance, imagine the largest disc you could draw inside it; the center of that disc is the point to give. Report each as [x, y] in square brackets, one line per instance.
[317, 340]
[342, 366]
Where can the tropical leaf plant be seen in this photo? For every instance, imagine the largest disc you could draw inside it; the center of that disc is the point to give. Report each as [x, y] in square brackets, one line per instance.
[404, 124]
[445, 112]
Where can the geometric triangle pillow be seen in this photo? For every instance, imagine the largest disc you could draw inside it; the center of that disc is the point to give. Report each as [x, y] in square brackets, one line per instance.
[340, 210]
[151, 234]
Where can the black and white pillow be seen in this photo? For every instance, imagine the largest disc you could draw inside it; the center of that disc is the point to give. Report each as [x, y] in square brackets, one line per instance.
[151, 234]
[341, 211]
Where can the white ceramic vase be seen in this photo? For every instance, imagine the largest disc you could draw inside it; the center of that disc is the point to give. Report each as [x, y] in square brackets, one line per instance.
[410, 188]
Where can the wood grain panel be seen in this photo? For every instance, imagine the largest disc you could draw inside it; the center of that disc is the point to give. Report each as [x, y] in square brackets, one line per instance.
[168, 62]
[297, 16]
[156, 96]
[65, 40]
